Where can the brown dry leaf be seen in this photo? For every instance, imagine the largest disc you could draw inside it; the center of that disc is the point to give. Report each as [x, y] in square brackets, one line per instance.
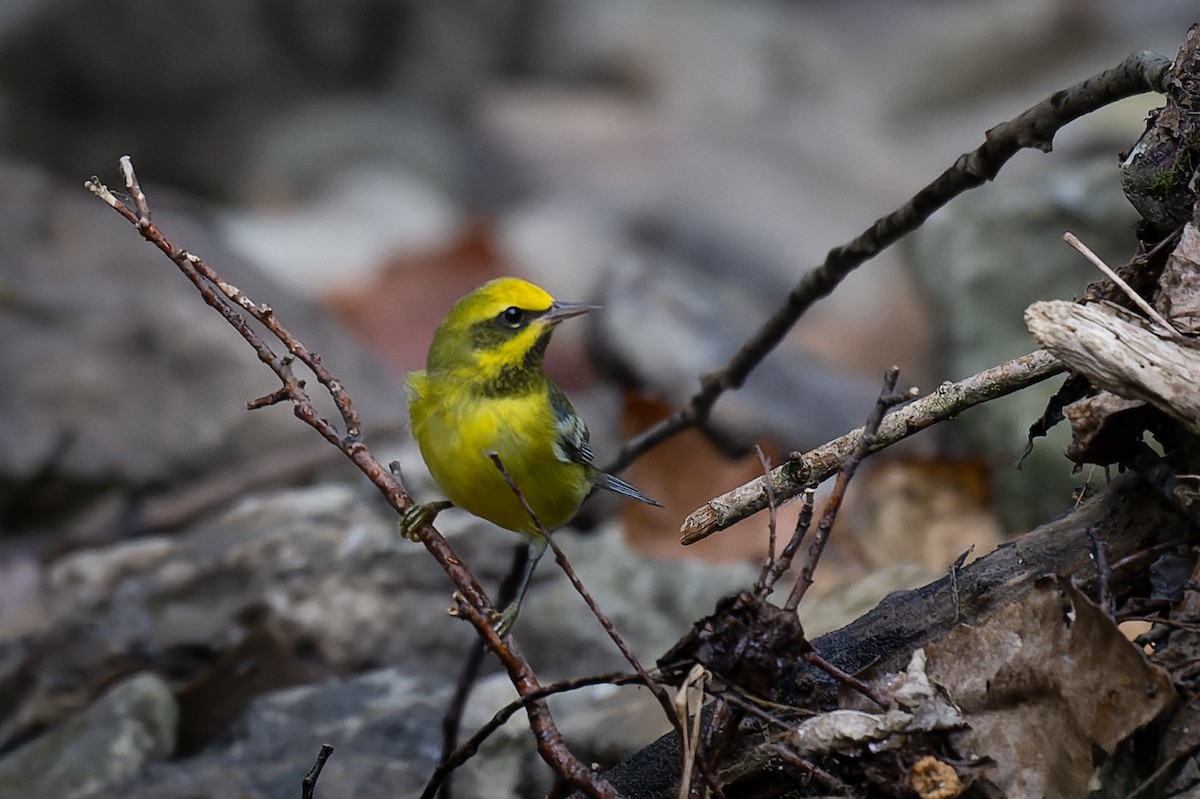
[1104, 428]
[682, 473]
[1179, 287]
[1040, 683]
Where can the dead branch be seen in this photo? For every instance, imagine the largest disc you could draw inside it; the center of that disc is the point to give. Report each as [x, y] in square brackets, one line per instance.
[797, 473]
[1129, 518]
[747, 638]
[606, 624]
[1034, 128]
[452, 760]
[846, 470]
[1117, 351]
[472, 601]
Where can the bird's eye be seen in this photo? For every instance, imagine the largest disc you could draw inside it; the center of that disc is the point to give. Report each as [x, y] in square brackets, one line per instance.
[512, 316]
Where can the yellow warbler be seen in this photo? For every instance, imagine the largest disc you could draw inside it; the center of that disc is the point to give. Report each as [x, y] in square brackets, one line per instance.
[484, 391]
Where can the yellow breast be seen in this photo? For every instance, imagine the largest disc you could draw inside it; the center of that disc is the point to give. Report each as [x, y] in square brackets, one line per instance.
[456, 430]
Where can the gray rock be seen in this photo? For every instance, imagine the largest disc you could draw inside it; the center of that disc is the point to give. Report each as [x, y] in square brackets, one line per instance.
[132, 724]
[119, 376]
[329, 567]
[337, 582]
[385, 727]
[344, 593]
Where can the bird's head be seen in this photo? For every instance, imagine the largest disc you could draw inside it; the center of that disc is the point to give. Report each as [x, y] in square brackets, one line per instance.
[497, 334]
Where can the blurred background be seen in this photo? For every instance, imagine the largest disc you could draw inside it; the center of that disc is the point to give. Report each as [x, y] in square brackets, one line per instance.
[359, 165]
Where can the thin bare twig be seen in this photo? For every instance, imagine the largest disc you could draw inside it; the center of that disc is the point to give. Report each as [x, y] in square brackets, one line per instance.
[1096, 261]
[549, 739]
[468, 748]
[801, 471]
[720, 727]
[1146, 554]
[849, 465]
[754, 705]
[772, 507]
[1034, 128]
[775, 568]
[846, 678]
[309, 783]
[230, 302]
[831, 782]
[452, 717]
[659, 692]
[1178, 625]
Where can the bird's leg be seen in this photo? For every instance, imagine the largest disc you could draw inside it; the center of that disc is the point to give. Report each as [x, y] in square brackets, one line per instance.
[537, 548]
[417, 516]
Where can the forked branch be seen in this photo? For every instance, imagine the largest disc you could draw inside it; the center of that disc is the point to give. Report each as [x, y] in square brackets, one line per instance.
[473, 603]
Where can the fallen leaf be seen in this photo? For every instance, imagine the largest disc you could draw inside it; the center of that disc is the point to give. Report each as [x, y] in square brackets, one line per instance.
[1043, 681]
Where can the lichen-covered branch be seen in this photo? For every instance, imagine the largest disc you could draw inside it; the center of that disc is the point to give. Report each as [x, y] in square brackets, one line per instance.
[790, 478]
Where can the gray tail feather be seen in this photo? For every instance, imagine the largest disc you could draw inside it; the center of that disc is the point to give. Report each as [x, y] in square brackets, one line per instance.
[614, 483]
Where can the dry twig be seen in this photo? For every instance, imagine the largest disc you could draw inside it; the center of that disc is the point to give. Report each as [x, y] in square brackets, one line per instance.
[1098, 262]
[659, 692]
[473, 603]
[452, 717]
[846, 470]
[802, 471]
[1034, 128]
[309, 783]
[450, 762]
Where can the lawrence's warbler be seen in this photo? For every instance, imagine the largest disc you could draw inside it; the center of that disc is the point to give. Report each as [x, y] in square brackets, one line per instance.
[484, 391]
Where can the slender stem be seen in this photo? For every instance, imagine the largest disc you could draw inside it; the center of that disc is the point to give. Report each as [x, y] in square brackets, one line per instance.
[659, 692]
[473, 603]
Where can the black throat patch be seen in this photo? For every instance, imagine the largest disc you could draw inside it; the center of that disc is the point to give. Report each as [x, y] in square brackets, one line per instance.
[514, 379]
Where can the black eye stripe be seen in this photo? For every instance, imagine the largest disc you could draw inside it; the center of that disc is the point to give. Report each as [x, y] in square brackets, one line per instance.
[512, 316]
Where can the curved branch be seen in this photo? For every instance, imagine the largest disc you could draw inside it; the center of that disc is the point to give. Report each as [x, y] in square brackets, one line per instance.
[473, 602]
[1034, 128]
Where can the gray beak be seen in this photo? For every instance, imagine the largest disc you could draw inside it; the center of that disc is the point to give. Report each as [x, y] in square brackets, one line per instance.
[560, 311]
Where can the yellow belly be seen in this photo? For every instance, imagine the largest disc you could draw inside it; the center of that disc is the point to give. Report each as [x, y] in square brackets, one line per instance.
[456, 437]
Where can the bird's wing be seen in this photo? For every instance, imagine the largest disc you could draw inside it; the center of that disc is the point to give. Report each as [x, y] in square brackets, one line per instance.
[572, 446]
[571, 434]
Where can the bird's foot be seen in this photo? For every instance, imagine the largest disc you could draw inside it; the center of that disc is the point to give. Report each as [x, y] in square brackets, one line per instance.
[503, 620]
[417, 516]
